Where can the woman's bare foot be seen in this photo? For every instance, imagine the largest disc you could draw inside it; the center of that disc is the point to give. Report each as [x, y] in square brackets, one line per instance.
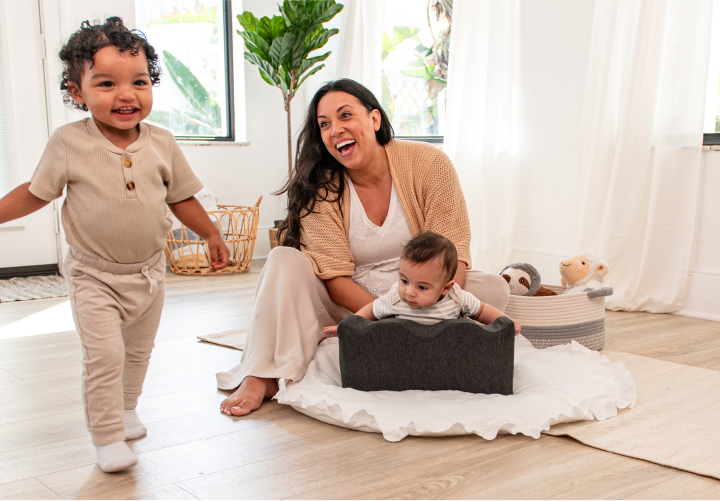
[249, 395]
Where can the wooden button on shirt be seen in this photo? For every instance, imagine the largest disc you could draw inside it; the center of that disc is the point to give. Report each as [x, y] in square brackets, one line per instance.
[112, 211]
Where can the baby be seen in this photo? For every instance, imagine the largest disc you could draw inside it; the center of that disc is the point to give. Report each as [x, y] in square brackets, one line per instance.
[121, 175]
[426, 292]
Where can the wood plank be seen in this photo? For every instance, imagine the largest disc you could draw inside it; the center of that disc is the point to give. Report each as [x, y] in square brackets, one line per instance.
[683, 486]
[6, 376]
[30, 488]
[193, 459]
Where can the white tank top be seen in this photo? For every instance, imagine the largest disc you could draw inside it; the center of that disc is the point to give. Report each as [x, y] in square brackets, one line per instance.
[376, 249]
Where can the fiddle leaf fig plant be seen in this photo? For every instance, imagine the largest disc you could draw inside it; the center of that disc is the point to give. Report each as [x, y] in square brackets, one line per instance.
[280, 47]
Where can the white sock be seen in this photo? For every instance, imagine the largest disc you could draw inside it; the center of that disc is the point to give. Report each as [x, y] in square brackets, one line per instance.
[134, 428]
[115, 457]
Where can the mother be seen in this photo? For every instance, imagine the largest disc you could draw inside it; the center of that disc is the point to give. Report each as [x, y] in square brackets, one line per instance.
[356, 198]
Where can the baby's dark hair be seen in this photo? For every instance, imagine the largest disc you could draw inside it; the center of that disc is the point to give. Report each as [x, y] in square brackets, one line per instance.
[429, 246]
[90, 38]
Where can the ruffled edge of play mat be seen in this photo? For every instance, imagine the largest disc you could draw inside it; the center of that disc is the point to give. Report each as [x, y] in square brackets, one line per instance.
[559, 384]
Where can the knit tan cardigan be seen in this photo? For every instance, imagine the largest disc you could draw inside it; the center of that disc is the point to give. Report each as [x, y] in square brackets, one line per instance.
[430, 194]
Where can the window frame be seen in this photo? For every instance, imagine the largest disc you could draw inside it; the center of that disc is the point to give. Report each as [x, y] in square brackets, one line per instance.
[229, 85]
[711, 138]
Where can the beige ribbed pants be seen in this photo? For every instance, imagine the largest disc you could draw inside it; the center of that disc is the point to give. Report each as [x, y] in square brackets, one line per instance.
[292, 305]
[117, 310]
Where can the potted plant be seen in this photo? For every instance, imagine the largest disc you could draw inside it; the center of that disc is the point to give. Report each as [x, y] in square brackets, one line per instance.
[280, 47]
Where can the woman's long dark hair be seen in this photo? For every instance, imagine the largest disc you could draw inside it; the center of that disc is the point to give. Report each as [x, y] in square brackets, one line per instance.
[317, 176]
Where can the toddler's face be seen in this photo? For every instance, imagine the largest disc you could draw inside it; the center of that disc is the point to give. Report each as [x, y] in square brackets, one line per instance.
[422, 284]
[117, 89]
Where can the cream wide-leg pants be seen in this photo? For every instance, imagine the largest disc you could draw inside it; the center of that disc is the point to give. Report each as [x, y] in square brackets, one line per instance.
[292, 305]
[117, 310]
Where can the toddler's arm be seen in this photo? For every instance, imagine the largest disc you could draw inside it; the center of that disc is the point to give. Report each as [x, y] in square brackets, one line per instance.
[193, 215]
[488, 315]
[365, 312]
[19, 203]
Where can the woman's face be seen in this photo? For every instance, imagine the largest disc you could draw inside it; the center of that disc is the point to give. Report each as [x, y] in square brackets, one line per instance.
[347, 129]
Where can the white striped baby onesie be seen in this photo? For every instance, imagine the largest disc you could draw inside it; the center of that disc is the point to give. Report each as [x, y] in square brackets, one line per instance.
[457, 302]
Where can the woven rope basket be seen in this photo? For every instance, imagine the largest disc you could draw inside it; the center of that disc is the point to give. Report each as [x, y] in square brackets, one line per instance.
[552, 320]
[187, 254]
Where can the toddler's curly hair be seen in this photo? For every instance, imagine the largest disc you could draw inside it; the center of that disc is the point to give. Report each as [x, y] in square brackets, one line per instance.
[90, 38]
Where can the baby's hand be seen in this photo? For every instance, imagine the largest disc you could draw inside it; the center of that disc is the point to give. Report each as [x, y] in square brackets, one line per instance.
[332, 330]
[219, 253]
[517, 327]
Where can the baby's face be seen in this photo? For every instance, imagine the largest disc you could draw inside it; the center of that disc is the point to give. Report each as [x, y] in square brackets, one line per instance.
[117, 89]
[422, 284]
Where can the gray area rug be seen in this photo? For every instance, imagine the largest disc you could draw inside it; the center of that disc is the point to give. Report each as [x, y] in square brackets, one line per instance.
[22, 289]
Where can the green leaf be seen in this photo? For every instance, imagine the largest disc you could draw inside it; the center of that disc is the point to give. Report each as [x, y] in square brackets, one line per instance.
[320, 41]
[264, 67]
[248, 21]
[387, 46]
[402, 33]
[160, 117]
[256, 44]
[308, 63]
[278, 26]
[264, 29]
[192, 89]
[424, 72]
[312, 72]
[330, 12]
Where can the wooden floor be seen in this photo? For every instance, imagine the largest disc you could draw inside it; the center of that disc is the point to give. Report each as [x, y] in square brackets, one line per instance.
[192, 451]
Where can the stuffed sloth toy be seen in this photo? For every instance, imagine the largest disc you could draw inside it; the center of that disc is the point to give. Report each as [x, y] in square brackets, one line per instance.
[582, 273]
[524, 280]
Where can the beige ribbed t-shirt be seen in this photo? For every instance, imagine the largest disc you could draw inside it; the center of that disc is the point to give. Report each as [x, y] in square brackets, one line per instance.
[115, 207]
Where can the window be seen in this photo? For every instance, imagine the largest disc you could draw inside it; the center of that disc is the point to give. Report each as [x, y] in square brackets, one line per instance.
[7, 182]
[415, 53]
[711, 126]
[194, 45]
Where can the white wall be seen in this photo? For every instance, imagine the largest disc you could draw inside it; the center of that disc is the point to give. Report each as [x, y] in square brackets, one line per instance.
[703, 295]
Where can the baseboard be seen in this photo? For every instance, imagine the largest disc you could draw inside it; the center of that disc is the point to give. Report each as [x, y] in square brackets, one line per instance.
[29, 271]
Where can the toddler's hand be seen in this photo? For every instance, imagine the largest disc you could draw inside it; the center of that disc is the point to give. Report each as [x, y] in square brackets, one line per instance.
[332, 330]
[517, 327]
[219, 253]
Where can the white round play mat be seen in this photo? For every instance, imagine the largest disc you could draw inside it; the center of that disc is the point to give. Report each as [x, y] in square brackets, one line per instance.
[559, 384]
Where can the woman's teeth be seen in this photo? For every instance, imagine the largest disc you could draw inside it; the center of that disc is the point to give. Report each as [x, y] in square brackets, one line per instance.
[345, 144]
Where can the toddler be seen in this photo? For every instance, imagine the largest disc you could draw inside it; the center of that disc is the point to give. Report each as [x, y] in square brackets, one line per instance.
[120, 173]
[425, 292]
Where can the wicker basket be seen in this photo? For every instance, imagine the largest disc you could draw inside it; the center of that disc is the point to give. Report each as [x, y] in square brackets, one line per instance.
[273, 237]
[187, 254]
[551, 320]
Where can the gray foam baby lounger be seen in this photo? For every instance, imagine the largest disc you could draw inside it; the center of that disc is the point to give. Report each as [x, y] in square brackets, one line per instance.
[396, 354]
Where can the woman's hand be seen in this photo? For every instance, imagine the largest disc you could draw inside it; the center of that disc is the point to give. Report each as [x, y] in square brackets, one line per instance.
[518, 327]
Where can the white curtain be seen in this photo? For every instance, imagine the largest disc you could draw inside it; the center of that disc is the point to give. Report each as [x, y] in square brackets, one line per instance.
[610, 164]
[360, 50]
[641, 146]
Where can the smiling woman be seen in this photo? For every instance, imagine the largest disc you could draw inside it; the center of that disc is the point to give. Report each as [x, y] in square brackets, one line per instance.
[356, 197]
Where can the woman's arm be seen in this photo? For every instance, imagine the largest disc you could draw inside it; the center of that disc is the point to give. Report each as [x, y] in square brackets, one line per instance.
[193, 215]
[460, 274]
[19, 203]
[348, 294]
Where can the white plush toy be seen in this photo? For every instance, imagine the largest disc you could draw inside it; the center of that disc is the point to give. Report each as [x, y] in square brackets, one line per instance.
[582, 273]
